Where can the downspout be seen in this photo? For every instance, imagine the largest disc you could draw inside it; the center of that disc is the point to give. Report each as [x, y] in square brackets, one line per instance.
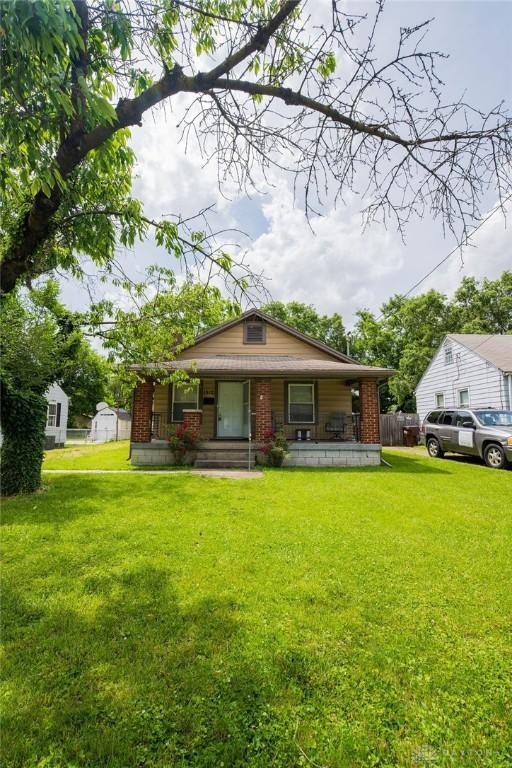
[131, 428]
[249, 415]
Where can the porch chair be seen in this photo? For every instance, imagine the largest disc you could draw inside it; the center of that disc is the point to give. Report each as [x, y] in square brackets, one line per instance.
[337, 426]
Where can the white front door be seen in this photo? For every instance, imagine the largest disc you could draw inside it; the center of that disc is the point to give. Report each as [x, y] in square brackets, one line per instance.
[232, 419]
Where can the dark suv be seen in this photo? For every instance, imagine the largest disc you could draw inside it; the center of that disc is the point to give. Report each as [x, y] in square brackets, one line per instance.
[483, 432]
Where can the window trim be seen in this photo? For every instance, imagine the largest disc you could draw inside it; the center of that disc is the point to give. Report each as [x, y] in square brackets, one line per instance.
[439, 406]
[180, 421]
[463, 405]
[313, 401]
[51, 415]
[264, 332]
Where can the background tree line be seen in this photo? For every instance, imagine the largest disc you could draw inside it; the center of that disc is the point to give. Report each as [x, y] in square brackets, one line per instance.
[407, 331]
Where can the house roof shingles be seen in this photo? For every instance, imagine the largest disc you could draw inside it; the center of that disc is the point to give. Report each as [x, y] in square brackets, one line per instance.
[273, 365]
[495, 348]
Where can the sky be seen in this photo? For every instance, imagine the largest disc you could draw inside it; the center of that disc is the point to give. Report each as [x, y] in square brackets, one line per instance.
[330, 262]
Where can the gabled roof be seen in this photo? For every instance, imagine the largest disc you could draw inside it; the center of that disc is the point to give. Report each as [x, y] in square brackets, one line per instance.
[495, 348]
[272, 366]
[257, 313]
[121, 413]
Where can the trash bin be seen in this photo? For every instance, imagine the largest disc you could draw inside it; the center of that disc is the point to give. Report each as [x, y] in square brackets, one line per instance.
[49, 442]
[411, 435]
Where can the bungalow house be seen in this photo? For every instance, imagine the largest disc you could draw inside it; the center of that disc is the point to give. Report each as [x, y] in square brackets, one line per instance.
[257, 375]
[469, 370]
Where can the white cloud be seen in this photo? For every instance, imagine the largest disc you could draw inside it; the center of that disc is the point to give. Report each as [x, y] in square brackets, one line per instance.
[489, 255]
[332, 264]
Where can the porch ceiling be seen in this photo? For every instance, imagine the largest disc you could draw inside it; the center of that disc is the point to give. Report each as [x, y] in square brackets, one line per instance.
[271, 366]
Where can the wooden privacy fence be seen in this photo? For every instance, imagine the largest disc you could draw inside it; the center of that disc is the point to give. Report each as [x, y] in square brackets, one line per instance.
[392, 426]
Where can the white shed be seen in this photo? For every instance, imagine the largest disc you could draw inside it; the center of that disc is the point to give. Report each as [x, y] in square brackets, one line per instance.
[110, 423]
[57, 414]
[468, 371]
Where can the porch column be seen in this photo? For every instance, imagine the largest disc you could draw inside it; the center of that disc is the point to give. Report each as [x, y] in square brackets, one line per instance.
[263, 397]
[142, 412]
[370, 410]
[192, 419]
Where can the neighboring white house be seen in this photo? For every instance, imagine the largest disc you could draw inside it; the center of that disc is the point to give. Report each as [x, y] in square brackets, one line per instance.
[110, 424]
[57, 414]
[468, 371]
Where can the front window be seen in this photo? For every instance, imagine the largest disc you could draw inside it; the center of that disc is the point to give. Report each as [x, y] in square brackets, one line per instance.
[51, 416]
[448, 355]
[490, 418]
[433, 417]
[464, 398]
[439, 399]
[301, 403]
[183, 398]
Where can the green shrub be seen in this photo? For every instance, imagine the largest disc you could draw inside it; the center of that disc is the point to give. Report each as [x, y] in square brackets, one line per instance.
[183, 440]
[23, 425]
[276, 456]
[275, 448]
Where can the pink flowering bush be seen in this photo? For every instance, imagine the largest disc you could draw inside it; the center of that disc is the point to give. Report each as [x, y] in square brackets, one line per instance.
[182, 441]
[275, 448]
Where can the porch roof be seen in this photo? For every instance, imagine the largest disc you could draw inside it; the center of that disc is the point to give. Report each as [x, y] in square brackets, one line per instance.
[271, 366]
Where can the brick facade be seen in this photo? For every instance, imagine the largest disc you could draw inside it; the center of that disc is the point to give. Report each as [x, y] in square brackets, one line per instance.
[192, 420]
[370, 410]
[142, 411]
[263, 398]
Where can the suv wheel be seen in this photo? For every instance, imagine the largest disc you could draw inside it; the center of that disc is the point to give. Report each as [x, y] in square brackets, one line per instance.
[434, 448]
[494, 456]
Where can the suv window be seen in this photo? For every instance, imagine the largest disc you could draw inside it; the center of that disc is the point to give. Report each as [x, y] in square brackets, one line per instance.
[447, 417]
[433, 417]
[461, 417]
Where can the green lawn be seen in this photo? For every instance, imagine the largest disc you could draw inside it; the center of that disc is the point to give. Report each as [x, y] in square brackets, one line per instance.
[310, 618]
[101, 456]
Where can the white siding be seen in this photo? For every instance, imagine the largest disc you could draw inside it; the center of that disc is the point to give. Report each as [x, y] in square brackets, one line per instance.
[486, 384]
[103, 426]
[56, 394]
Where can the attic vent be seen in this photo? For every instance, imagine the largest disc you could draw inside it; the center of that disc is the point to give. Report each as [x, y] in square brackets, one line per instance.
[254, 333]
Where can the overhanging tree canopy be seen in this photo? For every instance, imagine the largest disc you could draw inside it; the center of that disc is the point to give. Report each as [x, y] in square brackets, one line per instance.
[268, 86]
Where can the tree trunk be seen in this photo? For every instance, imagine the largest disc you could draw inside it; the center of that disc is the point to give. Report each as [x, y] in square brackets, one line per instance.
[23, 426]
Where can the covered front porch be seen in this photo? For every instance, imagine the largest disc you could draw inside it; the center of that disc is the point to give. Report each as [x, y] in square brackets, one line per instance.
[234, 416]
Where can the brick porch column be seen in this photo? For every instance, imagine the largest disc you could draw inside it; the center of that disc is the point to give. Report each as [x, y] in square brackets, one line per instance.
[192, 419]
[263, 397]
[370, 410]
[142, 412]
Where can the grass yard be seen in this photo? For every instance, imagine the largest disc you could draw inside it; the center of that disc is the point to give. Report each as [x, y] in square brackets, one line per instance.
[100, 456]
[335, 618]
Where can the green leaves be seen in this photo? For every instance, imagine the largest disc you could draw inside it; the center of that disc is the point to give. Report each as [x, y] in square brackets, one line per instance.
[327, 65]
[305, 318]
[162, 318]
